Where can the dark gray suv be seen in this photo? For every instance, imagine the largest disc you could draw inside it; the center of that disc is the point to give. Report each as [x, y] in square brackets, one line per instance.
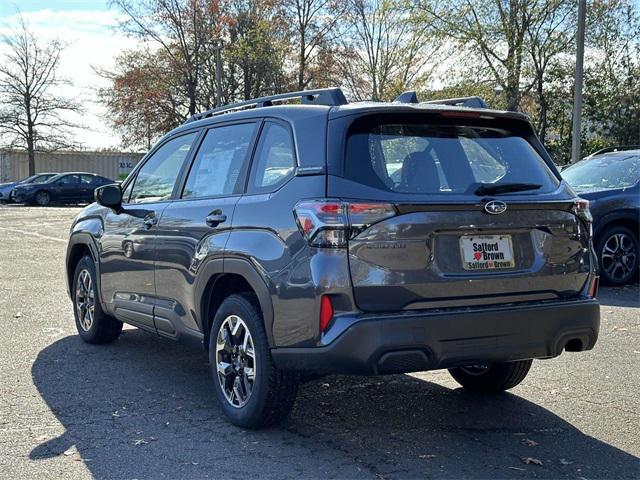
[331, 237]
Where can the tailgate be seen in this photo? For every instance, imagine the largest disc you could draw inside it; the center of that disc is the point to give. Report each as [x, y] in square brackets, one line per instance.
[432, 256]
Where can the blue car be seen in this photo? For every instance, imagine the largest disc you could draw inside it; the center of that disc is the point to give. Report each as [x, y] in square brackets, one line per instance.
[72, 187]
[5, 188]
[611, 183]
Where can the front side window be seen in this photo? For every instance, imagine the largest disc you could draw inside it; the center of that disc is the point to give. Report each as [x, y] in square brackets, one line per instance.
[417, 158]
[156, 178]
[274, 160]
[220, 161]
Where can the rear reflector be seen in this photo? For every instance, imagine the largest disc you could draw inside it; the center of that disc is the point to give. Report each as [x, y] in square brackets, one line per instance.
[326, 312]
[593, 290]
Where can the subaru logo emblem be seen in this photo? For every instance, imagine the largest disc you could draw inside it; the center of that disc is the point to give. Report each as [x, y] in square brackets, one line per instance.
[495, 207]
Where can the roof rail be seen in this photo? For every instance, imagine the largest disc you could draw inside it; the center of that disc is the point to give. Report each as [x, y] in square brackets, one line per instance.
[323, 96]
[472, 102]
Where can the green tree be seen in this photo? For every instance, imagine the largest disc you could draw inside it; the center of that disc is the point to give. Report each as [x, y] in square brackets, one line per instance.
[612, 75]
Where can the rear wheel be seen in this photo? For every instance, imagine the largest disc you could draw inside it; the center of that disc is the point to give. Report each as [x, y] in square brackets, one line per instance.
[492, 378]
[94, 326]
[250, 390]
[617, 250]
[42, 198]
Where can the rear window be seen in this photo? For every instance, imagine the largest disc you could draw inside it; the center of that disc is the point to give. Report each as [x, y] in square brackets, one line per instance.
[439, 159]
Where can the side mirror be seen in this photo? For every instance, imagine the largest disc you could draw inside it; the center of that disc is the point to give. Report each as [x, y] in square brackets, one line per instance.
[109, 196]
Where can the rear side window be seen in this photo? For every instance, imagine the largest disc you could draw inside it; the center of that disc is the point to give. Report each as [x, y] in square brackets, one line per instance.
[418, 158]
[274, 160]
[68, 180]
[220, 161]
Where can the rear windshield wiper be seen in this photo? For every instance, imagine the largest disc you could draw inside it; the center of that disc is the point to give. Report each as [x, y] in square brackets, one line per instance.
[499, 188]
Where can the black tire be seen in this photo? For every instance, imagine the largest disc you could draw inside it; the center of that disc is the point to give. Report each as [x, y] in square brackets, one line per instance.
[494, 378]
[42, 198]
[102, 328]
[273, 391]
[624, 273]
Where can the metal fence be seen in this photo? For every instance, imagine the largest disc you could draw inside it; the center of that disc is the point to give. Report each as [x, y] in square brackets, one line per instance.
[14, 164]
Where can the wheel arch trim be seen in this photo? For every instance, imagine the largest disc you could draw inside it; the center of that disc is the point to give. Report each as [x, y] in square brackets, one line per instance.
[85, 240]
[248, 272]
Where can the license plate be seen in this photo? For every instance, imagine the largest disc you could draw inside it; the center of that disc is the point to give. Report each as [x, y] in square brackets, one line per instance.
[486, 252]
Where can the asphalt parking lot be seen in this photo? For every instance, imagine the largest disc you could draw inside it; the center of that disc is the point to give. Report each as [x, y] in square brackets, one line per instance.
[143, 407]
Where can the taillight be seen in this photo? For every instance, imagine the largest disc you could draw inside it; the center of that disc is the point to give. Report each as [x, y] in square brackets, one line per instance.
[330, 223]
[326, 312]
[581, 209]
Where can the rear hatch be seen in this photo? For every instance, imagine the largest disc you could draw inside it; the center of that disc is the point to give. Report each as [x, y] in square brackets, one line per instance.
[479, 217]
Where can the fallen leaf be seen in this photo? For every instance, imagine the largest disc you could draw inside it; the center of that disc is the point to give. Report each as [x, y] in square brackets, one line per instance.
[531, 461]
[529, 443]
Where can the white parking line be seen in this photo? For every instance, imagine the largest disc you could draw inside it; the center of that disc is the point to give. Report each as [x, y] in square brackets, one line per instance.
[34, 234]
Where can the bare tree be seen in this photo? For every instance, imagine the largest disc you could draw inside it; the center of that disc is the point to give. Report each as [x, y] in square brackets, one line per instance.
[550, 35]
[315, 23]
[495, 29]
[32, 112]
[384, 51]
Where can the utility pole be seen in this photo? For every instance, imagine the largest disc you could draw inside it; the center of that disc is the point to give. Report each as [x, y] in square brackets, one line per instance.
[577, 89]
[217, 45]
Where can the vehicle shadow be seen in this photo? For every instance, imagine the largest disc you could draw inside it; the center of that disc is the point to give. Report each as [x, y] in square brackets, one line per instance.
[143, 408]
[625, 296]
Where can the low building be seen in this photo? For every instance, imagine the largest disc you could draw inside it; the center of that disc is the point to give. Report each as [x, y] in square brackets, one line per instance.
[14, 164]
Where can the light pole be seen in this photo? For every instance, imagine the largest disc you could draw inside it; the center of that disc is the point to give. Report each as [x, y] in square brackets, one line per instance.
[217, 45]
[577, 89]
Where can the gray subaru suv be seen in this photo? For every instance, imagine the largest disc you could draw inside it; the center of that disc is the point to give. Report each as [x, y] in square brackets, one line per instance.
[300, 235]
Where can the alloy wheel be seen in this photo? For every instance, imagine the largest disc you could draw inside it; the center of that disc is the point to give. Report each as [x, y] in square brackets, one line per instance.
[236, 361]
[42, 198]
[619, 256]
[85, 299]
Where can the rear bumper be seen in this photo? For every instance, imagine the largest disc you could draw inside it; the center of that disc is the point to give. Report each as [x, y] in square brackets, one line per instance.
[418, 341]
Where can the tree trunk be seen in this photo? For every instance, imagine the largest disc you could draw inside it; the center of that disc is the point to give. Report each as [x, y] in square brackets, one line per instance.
[542, 120]
[31, 143]
[301, 63]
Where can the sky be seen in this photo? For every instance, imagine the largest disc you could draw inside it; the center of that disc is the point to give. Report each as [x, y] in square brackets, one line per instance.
[89, 28]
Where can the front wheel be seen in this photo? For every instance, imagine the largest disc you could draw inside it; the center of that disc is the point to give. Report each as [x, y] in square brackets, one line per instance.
[496, 377]
[251, 391]
[94, 326]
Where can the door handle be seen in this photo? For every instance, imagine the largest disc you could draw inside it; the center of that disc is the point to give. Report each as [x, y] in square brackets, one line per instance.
[215, 218]
[150, 220]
